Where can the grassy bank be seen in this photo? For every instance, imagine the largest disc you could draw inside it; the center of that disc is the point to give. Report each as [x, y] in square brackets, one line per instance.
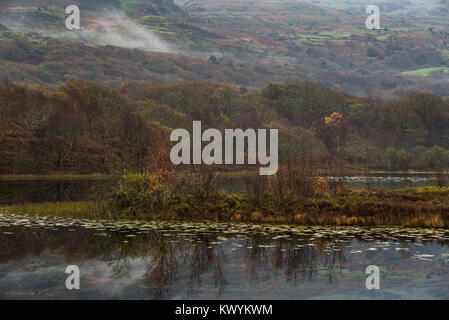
[417, 207]
[82, 210]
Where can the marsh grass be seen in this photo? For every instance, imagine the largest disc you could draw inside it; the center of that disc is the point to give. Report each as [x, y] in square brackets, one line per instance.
[289, 197]
[418, 207]
[82, 210]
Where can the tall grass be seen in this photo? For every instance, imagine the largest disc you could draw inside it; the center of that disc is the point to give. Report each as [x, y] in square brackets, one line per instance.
[84, 210]
[293, 196]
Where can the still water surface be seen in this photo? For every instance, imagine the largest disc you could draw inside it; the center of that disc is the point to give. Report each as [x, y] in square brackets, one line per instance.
[38, 191]
[162, 260]
[373, 181]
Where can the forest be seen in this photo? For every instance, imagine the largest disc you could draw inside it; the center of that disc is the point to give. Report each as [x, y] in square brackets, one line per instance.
[87, 127]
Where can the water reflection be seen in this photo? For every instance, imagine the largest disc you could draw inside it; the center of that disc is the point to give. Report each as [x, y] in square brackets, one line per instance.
[387, 181]
[39, 191]
[166, 261]
[369, 181]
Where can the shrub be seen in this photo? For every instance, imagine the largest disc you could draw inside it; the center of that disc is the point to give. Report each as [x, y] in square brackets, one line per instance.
[435, 158]
[141, 193]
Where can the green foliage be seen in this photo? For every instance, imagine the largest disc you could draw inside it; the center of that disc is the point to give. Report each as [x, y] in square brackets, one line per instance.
[140, 193]
[79, 210]
[163, 114]
[435, 157]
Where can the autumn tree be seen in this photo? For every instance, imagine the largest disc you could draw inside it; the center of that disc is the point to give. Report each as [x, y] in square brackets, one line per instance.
[135, 138]
[335, 122]
[56, 138]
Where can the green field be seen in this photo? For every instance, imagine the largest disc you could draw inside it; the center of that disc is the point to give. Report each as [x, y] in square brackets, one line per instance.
[426, 71]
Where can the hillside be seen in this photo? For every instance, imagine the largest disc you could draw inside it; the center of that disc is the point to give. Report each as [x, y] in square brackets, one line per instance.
[240, 43]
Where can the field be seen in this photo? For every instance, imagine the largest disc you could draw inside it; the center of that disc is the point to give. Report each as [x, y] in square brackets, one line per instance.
[426, 71]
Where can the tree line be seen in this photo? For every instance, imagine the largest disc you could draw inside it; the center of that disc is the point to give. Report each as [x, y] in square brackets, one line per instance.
[88, 127]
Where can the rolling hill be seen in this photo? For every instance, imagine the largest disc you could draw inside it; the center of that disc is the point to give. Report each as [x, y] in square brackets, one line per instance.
[241, 43]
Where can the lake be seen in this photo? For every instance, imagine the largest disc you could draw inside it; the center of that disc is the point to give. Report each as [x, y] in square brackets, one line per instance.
[166, 260]
[38, 191]
[379, 181]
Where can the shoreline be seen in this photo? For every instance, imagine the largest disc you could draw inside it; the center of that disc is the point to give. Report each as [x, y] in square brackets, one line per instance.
[222, 174]
[417, 207]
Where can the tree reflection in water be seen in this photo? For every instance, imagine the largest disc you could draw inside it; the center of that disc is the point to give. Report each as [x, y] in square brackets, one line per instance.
[201, 257]
[184, 263]
[299, 262]
[335, 257]
[163, 268]
[171, 261]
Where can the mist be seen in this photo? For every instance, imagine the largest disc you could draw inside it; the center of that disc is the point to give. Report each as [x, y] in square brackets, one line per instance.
[110, 27]
[116, 29]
